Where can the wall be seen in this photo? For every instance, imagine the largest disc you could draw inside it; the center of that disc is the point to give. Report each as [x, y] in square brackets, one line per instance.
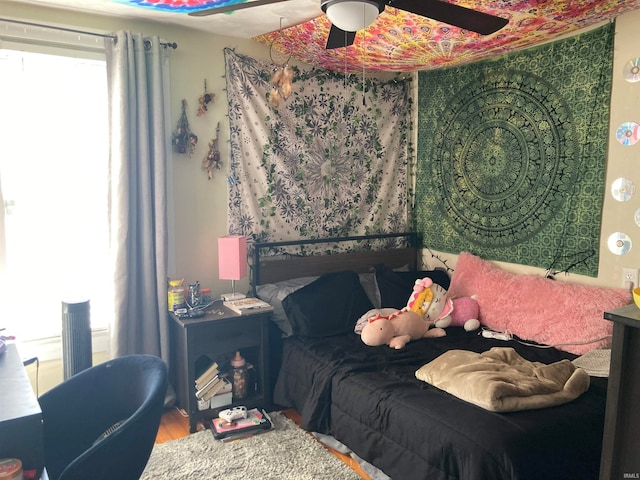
[46, 375]
[623, 161]
[198, 206]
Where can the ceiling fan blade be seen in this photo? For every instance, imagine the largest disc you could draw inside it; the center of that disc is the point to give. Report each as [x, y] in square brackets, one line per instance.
[231, 8]
[338, 38]
[451, 14]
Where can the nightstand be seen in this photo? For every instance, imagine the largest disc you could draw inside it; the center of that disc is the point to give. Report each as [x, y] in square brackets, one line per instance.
[621, 441]
[196, 342]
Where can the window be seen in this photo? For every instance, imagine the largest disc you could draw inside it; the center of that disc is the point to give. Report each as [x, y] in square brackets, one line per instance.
[54, 180]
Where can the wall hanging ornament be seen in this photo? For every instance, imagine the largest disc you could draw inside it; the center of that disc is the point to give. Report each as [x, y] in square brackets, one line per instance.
[205, 100]
[183, 140]
[631, 70]
[212, 160]
[619, 243]
[622, 189]
[282, 76]
[628, 133]
[281, 81]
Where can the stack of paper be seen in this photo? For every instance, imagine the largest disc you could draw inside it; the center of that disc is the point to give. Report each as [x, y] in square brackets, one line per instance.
[246, 305]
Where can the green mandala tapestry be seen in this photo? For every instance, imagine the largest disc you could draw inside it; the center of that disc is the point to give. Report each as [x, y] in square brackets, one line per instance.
[512, 154]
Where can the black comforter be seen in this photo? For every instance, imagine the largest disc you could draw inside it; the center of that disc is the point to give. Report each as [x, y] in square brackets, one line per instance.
[369, 399]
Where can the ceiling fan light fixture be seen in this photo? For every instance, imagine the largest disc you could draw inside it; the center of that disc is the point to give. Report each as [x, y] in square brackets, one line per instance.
[351, 15]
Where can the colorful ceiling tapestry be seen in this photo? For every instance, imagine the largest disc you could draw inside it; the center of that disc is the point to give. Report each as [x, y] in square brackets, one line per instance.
[179, 6]
[332, 160]
[399, 41]
[512, 154]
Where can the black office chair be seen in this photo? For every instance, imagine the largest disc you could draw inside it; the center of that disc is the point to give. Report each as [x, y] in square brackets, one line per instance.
[102, 422]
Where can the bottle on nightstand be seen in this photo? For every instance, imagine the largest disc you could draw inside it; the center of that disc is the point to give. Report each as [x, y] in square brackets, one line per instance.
[239, 377]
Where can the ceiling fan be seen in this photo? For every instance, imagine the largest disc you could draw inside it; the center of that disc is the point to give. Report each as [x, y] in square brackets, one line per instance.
[349, 16]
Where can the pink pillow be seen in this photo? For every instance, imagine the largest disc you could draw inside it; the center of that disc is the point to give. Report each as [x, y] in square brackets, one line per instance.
[551, 312]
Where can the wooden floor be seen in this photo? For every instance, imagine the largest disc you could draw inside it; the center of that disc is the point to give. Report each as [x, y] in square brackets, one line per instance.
[175, 425]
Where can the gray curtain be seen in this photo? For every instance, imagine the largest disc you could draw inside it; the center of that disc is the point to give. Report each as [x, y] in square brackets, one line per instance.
[137, 70]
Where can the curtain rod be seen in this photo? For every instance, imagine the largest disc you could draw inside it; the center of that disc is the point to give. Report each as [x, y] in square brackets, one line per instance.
[172, 45]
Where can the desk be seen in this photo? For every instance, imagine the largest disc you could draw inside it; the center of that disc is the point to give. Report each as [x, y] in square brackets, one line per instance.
[21, 433]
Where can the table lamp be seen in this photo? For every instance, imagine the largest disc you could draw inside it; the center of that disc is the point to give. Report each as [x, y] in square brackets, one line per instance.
[232, 262]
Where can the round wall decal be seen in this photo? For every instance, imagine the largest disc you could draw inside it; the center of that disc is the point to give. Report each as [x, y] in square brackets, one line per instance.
[619, 243]
[636, 217]
[623, 189]
[506, 158]
[631, 70]
[628, 133]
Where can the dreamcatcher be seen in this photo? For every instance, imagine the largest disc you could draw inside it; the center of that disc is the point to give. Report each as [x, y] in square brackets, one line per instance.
[282, 76]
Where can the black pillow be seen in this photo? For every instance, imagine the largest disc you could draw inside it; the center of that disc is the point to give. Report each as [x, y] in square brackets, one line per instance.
[330, 305]
[396, 287]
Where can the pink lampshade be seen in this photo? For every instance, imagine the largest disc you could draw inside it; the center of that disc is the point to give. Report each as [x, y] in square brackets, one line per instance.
[232, 257]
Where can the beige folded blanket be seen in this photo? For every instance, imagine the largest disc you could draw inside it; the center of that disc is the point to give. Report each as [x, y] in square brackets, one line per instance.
[500, 380]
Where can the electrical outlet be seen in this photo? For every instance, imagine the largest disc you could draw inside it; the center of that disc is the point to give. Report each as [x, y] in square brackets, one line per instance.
[630, 278]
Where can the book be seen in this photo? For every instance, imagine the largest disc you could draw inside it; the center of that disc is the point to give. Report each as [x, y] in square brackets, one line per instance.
[201, 389]
[221, 388]
[243, 435]
[228, 386]
[207, 375]
[248, 304]
[206, 384]
[214, 383]
[221, 400]
[223, 397]
[256, 421]
[213, 389]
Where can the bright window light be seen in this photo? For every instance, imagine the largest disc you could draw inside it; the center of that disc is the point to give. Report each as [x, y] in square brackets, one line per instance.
[53, 173]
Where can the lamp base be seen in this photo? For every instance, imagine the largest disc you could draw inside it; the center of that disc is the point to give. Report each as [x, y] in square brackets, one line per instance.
[227, 297]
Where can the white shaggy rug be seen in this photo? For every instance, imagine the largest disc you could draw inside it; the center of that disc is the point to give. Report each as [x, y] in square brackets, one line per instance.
[286, 452]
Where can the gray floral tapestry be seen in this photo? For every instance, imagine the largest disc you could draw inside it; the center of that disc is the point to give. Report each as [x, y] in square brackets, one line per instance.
[511, 154]
[331, 160]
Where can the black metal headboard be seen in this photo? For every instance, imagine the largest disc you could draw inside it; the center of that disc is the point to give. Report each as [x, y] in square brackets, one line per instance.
[274, 268]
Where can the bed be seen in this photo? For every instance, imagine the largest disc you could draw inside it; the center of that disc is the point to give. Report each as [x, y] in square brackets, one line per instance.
[369, 399]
